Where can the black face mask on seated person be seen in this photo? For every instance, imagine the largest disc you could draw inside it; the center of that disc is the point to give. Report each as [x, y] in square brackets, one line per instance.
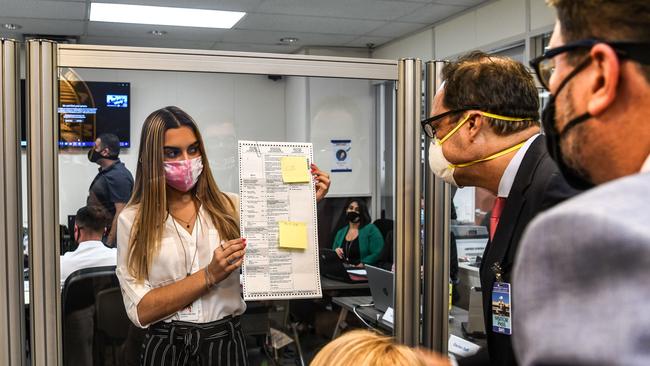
[574, 177]
[353, 216]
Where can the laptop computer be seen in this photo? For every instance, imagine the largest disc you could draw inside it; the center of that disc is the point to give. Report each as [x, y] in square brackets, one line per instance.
[332, 266]
[381, 287]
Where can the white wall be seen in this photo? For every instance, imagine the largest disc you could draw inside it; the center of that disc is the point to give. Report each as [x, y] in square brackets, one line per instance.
[226, 108]
[490, 25]
[341, 110]
[418, 45]
[231, 107]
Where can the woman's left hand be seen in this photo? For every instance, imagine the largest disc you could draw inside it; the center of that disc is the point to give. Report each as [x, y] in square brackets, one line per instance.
[322, 182]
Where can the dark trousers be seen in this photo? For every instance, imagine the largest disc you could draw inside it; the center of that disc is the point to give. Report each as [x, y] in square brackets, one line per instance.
[195, 344]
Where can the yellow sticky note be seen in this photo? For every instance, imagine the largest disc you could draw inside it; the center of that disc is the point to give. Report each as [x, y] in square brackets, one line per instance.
[294, 169]
[293, 235]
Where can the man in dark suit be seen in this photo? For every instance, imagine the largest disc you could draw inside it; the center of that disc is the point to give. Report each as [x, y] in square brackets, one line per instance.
[485, 133]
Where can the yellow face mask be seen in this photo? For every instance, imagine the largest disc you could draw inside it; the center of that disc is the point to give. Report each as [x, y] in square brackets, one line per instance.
[439, 142]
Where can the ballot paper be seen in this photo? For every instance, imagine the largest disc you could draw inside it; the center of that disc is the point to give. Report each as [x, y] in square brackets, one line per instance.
[278, 220]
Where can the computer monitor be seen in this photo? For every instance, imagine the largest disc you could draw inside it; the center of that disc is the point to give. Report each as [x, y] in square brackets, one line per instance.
[86, 110]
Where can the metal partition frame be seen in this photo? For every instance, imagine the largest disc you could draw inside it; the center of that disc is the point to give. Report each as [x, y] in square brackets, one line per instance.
[44, 58]
[165, 59]
[12, 334]
[43, 202]
[437, 225]
[407, 211]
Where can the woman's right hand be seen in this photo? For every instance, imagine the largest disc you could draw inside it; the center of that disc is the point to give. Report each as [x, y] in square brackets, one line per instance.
[228, 257]
[339, 251]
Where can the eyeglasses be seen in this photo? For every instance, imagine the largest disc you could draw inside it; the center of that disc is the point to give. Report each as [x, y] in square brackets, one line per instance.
[427, 123]
[544, 65]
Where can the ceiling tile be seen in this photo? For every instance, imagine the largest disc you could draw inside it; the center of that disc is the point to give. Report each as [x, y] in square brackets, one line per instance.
[225, 46]
[363, 41]
[465, 3]
[396, 29]
[43, 9]
[45, 27]
[146, 42]
[431, 13]
[103, 29]
[273, 38]
[291, 23]
[360, 9]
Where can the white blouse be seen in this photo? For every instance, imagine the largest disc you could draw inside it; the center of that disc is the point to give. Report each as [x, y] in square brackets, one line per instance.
[172, 264]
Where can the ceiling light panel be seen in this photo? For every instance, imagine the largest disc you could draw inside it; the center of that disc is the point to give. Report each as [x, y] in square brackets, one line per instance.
[158, 15]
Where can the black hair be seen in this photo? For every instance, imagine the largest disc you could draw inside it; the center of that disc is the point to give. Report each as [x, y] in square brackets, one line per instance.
[111, 142]
[92, 218]
[363, 211]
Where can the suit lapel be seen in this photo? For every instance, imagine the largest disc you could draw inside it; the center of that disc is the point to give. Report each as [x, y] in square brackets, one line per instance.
[509, 220]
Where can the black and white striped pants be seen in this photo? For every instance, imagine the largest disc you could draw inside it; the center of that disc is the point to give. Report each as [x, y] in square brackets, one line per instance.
[219, 343]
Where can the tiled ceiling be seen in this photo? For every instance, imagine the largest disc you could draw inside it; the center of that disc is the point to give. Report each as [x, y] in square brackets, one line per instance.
[340, 23]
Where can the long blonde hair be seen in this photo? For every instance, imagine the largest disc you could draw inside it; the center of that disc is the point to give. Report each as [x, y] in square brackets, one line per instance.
[150, 192]
[365, 348]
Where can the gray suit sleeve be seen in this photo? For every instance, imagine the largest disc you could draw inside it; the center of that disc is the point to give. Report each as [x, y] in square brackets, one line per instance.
[581, 292]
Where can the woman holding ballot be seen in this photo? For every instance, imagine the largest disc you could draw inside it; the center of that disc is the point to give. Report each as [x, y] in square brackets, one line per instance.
[358, 242]
[179, 249]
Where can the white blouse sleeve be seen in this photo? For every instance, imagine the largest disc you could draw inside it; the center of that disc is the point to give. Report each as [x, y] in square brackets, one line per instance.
[132, 292]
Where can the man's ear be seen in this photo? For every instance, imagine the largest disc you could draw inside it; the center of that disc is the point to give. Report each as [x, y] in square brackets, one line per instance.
[604, 76]
[475, 124]
[105, 152]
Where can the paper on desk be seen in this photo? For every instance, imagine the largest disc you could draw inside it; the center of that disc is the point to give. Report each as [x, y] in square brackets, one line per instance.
[295, 169]
[389, 315]
[293, 235]
[461, 347]
[358, 272]
[279, 339]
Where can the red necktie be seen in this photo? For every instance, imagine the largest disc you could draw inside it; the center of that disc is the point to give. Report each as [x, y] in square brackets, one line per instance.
[499, 203]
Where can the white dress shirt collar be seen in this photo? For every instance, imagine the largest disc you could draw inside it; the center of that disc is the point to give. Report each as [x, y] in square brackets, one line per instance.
[508, 177]
[85, 246]
[646, 166]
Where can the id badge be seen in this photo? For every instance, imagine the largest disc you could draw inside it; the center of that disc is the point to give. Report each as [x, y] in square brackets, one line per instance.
[191, 313]
[501, 308]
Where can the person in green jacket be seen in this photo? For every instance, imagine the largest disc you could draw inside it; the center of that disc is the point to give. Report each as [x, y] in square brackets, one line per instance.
[358, 242]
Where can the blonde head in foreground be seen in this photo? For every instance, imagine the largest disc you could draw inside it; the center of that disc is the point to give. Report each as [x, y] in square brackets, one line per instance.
[365, 348]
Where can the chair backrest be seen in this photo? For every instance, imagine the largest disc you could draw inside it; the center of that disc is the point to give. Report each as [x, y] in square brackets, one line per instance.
[385, 260]
[81, 287]
[78, 306]
[384, 225]
[110, 315]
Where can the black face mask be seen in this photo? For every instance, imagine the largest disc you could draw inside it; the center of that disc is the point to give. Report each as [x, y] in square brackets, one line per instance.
[94, 156]
[353, 216]
[574, 177]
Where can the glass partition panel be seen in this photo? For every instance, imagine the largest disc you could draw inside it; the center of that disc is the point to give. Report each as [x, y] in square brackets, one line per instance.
[350, 123]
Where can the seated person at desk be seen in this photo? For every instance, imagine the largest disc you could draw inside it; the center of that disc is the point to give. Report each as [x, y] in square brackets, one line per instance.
[365, 348]
[359, 242]
[90, 225]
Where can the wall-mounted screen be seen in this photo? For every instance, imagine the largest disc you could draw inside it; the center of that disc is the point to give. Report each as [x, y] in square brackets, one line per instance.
[88, 109]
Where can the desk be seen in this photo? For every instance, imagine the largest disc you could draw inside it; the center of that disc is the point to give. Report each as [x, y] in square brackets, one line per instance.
[373, 316]
[328, 284]
[369, 313]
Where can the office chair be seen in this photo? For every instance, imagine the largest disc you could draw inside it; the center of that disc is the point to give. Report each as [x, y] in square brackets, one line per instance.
[78, 312]
[111, 323]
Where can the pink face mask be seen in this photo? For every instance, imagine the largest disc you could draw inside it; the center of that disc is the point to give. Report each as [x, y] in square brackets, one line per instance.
[183, 175]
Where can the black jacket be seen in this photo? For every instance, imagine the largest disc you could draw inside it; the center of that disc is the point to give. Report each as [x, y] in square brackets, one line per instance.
[538, 185]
